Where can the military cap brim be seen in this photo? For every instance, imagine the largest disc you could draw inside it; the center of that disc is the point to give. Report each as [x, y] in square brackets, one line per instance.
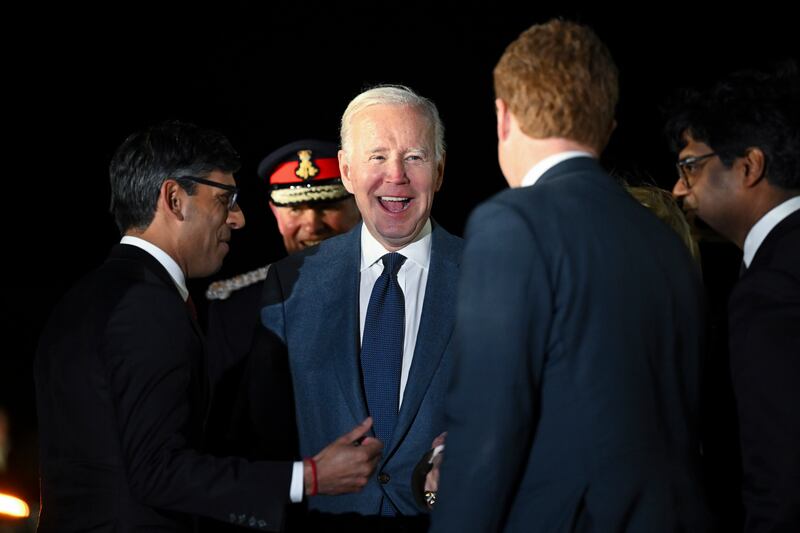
[305, 171]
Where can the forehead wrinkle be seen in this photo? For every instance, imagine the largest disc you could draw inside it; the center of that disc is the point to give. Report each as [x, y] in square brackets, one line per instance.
[367, 129]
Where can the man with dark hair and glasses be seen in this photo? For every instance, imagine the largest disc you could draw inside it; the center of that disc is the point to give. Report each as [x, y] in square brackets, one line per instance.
[738, 146]
[120, 374]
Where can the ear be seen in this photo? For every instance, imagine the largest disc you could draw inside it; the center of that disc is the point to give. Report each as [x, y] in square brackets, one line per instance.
[274, 209]
[440, 172]
[171, 199]
[344, 169]
[754, 166]
[278, 220]
[503, 119]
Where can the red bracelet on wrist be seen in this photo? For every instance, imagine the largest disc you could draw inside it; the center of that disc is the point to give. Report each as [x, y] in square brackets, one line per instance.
[314, 486]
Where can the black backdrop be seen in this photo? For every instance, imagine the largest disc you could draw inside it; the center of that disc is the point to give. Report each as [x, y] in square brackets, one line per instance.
[79, 79]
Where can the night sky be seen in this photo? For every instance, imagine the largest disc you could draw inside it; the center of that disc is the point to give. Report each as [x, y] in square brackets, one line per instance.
[79, 80]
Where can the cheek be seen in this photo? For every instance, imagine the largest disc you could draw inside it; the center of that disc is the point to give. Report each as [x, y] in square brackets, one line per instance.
[289, 227]
[336, 221]
[369, 179]
[424, 182]
[286, 223]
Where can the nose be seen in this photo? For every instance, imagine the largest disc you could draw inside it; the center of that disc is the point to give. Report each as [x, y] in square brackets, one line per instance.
[311, 221]
[679, 190]
[396, 172]
[235, 218]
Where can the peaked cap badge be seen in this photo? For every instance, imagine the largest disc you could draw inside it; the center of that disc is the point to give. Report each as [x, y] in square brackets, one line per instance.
[306, 170]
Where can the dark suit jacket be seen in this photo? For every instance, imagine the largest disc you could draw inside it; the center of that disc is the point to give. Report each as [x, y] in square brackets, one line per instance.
[574, 402]
[312, 305]
[252, 409]
[121, 397]
[765, 367]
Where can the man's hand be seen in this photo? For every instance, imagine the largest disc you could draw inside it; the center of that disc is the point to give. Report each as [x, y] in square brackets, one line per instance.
[432, 479]
[346, 464]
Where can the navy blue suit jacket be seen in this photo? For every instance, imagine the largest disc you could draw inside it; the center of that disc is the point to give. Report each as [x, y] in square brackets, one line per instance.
[312, 305]
[574, 404]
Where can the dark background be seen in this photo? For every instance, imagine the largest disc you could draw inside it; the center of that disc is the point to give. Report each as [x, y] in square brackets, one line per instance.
[79, 80]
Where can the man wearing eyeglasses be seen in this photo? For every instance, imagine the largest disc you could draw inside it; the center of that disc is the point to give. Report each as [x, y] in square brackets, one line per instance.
[739, 171]
[120, 377]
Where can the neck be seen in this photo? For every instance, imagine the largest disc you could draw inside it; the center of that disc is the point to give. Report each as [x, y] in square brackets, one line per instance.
[756, 206]
[157, 238]
[530, 151]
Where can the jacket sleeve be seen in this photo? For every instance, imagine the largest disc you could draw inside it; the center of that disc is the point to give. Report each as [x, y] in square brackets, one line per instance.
[151, 349]
[491, 410]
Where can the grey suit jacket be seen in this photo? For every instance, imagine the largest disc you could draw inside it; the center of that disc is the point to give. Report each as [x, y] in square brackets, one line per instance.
[312, 305]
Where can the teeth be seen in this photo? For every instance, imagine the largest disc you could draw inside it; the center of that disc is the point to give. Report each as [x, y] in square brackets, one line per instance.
[395, 198]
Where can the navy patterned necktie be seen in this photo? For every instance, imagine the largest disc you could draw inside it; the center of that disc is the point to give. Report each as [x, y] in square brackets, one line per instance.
[382, 352]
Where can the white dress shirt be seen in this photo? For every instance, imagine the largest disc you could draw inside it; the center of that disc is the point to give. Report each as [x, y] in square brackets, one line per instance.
[162, 257]
[412, 278]
[175, 272]
[761, 229]
[538, 170]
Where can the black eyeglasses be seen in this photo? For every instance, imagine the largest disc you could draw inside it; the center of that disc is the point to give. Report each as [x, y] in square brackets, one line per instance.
[232, 199]
[688, 166]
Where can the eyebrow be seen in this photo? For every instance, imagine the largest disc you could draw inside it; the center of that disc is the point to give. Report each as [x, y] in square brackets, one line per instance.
[380, 149]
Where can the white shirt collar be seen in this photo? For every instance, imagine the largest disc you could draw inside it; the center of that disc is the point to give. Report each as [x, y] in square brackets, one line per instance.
[162, 257]
[761, 229]
[538, 170]
[418, 251]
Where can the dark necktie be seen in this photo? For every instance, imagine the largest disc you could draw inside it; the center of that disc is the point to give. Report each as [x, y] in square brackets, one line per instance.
[382, 353]
[190, 306]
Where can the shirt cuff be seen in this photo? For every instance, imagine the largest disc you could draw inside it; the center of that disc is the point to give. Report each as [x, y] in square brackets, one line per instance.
[296, 487]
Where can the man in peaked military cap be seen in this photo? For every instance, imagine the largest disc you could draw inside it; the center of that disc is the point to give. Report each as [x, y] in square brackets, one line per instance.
[310, 204]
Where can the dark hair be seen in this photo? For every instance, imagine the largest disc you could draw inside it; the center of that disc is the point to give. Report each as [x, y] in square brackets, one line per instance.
[747, 109]
[167, 150]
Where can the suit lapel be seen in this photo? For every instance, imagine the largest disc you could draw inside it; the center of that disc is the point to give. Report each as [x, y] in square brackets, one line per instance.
[156, 269]
[435, 330]
[157, 273]
[343, 266]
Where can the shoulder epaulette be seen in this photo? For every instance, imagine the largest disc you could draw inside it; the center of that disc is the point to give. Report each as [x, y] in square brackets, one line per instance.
[222, 289]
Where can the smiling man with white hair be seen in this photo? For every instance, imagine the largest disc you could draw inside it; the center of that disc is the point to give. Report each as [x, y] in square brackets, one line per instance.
[367, 316]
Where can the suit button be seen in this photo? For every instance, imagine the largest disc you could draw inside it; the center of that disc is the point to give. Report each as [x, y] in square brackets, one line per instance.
[383, 478]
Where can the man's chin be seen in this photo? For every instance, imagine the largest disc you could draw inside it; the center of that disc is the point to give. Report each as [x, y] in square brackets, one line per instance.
[397, 237]
[208, 270]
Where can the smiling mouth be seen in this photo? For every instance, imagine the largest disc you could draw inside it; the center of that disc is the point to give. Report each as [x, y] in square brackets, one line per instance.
[394, 204]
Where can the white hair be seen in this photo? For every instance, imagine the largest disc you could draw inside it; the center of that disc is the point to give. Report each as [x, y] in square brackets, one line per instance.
[393, 95]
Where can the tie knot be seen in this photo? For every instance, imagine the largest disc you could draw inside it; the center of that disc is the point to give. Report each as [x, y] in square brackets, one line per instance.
[392, 262]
